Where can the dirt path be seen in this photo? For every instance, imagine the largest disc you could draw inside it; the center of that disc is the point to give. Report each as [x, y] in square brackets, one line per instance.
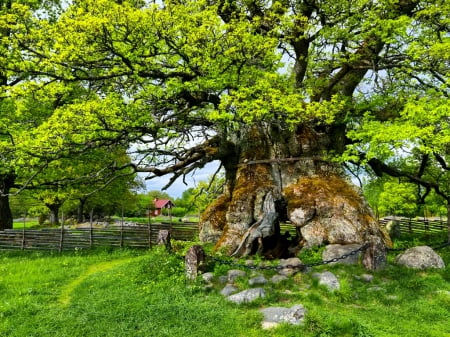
[66, 294]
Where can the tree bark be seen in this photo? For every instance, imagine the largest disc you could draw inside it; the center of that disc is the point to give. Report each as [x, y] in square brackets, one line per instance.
[80, 210]
[6, 217]
[54, 214]
[284, 176]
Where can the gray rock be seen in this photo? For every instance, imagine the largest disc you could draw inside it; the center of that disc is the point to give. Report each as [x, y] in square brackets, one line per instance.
[247, 296]
[421, 257]
[364, 277]
[291, 262]
[289, 267]
[327, 279]
[223, 279]
[393, 228]
[278, 278]
[233, 274]
[228, 290]
[208, 277]
[376, 288]
[276, 315]
[336, 251]
[258, 280]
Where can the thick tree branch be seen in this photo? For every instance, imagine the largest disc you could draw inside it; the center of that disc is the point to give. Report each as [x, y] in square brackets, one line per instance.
[380, 168]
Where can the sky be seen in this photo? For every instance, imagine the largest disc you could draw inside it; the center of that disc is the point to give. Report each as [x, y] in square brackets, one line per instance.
[178, 187]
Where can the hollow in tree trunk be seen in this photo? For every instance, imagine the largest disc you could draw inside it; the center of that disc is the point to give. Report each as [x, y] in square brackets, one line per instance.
[280, 177]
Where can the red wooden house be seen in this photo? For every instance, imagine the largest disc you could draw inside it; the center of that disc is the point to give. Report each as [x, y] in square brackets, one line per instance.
[160, 204]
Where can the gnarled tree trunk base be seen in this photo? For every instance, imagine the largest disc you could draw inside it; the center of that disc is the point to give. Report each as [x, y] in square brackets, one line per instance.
[283, 178]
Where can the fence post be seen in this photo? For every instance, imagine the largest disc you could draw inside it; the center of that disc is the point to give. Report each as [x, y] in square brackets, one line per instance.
[121, 234]
[61, 238]
[149, 226]
[121, 230]
[374, 256]
[410, 226]
[164, 239]
[91, 241]
[23, 233]
[193, 260]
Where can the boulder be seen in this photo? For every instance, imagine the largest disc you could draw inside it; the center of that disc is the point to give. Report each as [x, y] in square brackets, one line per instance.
[276, 315]
[421, 257]
[337, 250]
[327, 279]
[328, 209]
[247, 296]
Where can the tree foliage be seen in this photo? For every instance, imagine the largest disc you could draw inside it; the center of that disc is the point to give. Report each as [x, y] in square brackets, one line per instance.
[183, 81]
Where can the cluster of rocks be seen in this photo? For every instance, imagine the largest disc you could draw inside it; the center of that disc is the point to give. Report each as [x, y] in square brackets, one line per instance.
[418, 257]
[273, 316]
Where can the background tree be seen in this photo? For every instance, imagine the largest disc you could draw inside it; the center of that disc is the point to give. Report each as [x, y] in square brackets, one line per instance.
[196, 200]
[16, 17]
[193, 81]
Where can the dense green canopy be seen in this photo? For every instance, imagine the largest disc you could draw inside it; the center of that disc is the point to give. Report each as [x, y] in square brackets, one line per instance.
[178, 81]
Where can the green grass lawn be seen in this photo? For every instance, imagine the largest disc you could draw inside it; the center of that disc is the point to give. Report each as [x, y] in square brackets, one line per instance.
[25, 223]
[145, 293]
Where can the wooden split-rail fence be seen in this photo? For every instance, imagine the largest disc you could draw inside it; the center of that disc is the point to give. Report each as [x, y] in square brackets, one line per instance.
[136, 236]
[418, 225]
[146, 235]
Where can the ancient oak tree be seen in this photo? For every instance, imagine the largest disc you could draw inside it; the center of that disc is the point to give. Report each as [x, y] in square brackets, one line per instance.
[276, 91]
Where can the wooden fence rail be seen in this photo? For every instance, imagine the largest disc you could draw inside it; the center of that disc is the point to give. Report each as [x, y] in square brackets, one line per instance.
[144, 236]
[138, 236]
[421, 225]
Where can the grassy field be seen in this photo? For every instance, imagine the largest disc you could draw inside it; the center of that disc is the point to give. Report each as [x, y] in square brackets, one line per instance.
[33, 222]
[145, 293]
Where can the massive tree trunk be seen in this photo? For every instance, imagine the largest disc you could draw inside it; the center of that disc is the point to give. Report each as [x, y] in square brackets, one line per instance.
[285, 176]
[6, 217]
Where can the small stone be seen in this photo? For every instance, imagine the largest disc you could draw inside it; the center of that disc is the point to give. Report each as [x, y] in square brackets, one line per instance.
[258, 280]
[291, 262]
[289, 267]
[233, 274]
[208, 277]
[278, 278]
[337, 251]
[222, 279]
[247, 296]
[365, 277]
[276, 315]
[371, 289]
[228, 290]
[327, 279]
